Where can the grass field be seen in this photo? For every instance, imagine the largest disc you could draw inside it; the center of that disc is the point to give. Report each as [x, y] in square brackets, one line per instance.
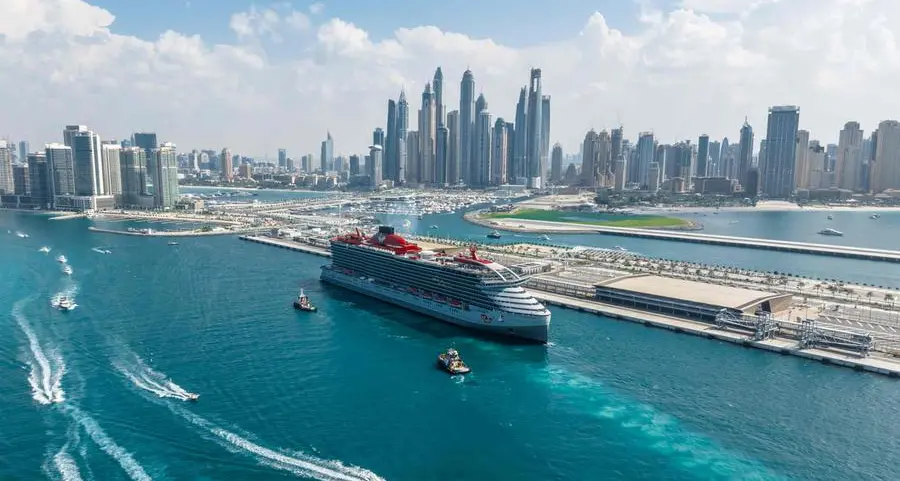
[610, 220]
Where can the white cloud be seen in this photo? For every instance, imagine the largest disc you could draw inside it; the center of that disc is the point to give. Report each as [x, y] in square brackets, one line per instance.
[316, 8]
[684, 72]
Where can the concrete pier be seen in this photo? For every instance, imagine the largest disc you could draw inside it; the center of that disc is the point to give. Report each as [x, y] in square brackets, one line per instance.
[286, 244]
[874, 364]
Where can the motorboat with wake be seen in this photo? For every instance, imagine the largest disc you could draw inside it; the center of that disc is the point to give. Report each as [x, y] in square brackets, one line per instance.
[452, 363]
[101, 250]
[494, 235]
[873, 216]
[831, 232]
[22, 235]
[191, 397]
[544, 237]
[173, 243]
[61, 259]
[67, 270]
[302, 303]
[44, 249]
[63, 303]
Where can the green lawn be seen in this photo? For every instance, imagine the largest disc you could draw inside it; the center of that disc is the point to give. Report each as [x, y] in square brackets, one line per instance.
[611, 220]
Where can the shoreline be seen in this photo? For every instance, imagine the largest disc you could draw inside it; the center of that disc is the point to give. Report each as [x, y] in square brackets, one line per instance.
[541, 227]
[773, 206]
[252, 189]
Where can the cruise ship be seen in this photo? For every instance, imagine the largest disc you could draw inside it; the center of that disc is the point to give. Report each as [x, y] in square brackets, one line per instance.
[461, 289]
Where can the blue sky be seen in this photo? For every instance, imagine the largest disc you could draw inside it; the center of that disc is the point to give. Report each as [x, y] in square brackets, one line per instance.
[511, 22]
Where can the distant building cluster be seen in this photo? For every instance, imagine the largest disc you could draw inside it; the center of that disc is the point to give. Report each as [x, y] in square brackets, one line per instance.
[85, 173]
[789, 165]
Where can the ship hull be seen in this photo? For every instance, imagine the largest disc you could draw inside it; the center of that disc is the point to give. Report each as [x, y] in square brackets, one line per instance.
[531, 328]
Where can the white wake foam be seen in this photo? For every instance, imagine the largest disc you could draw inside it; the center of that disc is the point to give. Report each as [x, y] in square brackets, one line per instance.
[131, 467]
[45, 376]
[66, 466]
[145, 377]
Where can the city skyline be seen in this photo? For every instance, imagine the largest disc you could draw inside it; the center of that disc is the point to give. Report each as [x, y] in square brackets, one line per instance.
[679, 73]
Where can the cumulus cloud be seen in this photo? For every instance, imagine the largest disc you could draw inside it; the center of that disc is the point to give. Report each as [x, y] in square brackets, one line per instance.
[699, 68]
[316, 8]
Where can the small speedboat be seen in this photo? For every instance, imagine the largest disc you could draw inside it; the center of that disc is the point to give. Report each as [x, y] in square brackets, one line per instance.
[830, 217]
[434, 227]
[44, 249]
[65, 304]
[873, 216]
[22, 235]
[67, 270]
[831, 232]
[192, 397]
[452, 363]
[61, 259]
[173, 243]
[302, 303]
[494, 235]
[544, 237]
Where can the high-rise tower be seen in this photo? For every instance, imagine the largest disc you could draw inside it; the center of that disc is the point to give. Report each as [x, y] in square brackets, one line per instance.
[453, 147]
[545, 136]
[499, 152]
[467, 115]
[437, 85]
[848, 168]
[427, 133]
[534, 128]
[402, 145]
[781, 150]
[389, 156]
[480, 169]
[745, 154]
[556, 158]
[703, 156]
[518, 163]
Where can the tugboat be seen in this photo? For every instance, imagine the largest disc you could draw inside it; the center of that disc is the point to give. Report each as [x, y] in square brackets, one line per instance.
[451, 362]
[302, 303]
[494, 235]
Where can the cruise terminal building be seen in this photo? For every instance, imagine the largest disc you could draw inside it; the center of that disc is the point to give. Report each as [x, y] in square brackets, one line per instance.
[687, 299]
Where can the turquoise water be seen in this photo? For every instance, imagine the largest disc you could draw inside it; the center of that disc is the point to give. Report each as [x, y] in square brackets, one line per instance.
[351, 392]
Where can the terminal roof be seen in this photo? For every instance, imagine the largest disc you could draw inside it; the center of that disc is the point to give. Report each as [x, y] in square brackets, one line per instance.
[691, 291]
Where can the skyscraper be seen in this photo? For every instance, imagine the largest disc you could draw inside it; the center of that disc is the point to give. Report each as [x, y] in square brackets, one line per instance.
[781, 151]
[745, 156]
[402, 144]
[389, 156]
[453, 148]
[556, 159]
[412, 157]
[23, 150]
[87, 163]
[146, 141]
[7, 185]
[848, 168]
[327, 158]
[427, 133]
[590, 159]
[715, 165]
[534, 121]
[442, 150]
[499, 152]
[802, 166]
[616, 138]
[165, 176]
[481, 166]
[354, 165]
[375, 153]
[378, 138]
[437, 85]
[282, 158]
[40, 180]
[62, 169]
[646, 151]
[545, 136]
[112, 170]
[703, 156]
[227, 166]
[134, 175]
[518, 163]
[21, 182]
[886, 171]
[467, 114]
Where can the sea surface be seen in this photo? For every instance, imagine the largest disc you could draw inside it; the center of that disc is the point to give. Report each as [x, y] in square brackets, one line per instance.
[351, 392]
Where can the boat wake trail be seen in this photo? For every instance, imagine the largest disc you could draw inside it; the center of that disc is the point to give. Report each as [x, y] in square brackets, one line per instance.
[299, 464]
[134, 470]
[62, 465]
[144, 377]
[47, 370]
